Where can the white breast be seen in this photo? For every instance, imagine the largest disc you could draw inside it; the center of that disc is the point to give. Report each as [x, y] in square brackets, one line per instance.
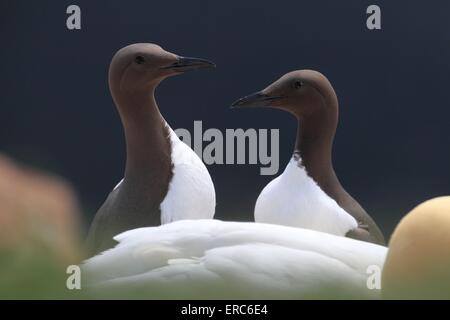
[211, 259]
[191, 192]
[294, 199]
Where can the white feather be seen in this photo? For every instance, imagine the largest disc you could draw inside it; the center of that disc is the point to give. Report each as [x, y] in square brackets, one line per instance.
[191, 192]
[215, 259]
[294, 199]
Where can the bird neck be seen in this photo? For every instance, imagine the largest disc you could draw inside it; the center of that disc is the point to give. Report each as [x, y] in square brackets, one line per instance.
[313, 147]
[146, 134]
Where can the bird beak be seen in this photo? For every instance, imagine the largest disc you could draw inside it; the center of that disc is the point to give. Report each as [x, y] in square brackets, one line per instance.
[184, 64]
[256, 100]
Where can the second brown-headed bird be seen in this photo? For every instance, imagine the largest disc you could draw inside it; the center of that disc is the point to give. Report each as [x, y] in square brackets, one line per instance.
[308, 193]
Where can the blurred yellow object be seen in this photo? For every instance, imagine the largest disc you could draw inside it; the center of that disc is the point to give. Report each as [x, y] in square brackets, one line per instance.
[418, 261]
[39, 231]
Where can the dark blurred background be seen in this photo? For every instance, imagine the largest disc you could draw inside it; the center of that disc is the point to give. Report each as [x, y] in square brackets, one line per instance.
[392, 148]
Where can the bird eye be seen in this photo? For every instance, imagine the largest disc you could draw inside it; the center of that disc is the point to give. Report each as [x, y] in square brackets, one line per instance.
[298, 84]
[139, 59]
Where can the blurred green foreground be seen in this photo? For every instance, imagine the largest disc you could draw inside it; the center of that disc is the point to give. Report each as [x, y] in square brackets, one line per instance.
[39, 230]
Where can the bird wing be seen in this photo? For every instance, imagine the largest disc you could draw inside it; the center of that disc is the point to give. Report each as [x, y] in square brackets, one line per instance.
[215, 259]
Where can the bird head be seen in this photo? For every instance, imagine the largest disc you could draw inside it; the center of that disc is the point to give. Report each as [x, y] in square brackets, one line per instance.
[301, 92]
[142, 66]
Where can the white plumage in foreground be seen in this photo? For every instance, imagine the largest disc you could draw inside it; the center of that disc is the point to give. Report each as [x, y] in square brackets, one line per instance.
[215, 259]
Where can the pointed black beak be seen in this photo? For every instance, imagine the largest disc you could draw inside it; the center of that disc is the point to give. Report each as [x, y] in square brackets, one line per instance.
[184, 64]
[255, 100]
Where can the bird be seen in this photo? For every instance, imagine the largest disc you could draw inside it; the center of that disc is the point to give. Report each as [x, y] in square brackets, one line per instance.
[417, 265]
[164, 179]
[308, 193]
[214, 259]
